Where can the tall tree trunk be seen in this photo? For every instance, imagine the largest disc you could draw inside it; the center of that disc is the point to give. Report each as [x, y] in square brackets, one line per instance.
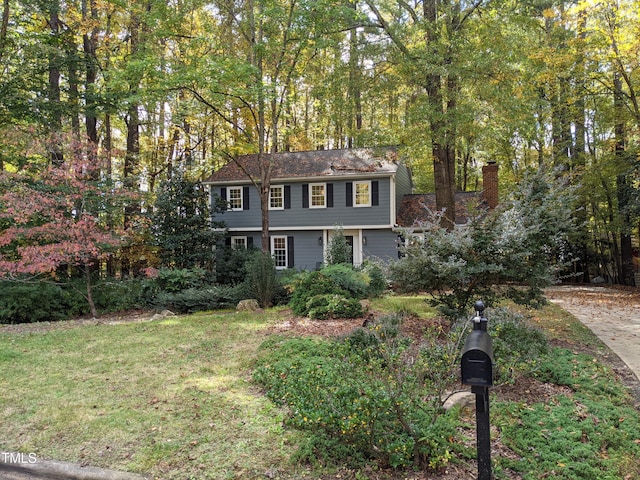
[443, 151]
[354, 90]
[89, 41]
[54, 57]
[623, 187]
[131, 157]
[578, 154]
[4, 26]
[73, 79]
[111, 261]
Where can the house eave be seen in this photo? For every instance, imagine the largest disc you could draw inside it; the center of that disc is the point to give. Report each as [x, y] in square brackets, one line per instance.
[312, 228]
[309, 179]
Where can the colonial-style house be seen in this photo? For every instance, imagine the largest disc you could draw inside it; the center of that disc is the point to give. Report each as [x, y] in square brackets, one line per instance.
[367, 192]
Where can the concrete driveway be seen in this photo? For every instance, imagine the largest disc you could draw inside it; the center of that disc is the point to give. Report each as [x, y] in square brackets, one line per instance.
[612, 314]
[21, 466]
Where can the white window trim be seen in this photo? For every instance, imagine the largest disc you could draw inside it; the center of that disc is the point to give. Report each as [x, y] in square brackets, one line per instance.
[238, 245]
[286, 250]
[324, 188]
[235, 209]
[355, 193]
[271, 189]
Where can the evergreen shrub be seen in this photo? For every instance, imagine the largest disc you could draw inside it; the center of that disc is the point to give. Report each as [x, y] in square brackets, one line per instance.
[519, 346]
[307, 285]
[323, 307]
[178, 279]
[261, 278]
[32, 302]
[338, 287]
[199, 299]
[360, 399]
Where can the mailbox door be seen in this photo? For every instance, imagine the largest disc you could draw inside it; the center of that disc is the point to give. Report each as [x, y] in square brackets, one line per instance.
[477, 369]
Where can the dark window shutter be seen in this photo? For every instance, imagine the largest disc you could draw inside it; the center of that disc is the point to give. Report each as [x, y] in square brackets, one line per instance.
[375, 193]
[223, 193]
[249, 242]
[245, 198]
[227, 241]
[305, 195]
[290, 256]
[287, 196]
[329, 194]
[349, 194]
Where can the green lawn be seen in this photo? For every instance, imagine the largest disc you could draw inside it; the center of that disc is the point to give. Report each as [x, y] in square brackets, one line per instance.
[171, 398]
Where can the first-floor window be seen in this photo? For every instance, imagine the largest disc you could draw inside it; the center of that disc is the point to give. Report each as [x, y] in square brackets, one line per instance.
[279, 251]
[238, 242]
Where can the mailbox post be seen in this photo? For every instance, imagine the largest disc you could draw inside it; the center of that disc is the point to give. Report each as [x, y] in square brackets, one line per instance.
[476, 369]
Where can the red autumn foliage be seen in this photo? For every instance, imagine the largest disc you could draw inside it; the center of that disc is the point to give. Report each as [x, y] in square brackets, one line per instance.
[55, 217]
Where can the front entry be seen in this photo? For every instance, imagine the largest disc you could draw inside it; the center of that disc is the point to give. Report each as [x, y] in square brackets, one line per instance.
[354, 239]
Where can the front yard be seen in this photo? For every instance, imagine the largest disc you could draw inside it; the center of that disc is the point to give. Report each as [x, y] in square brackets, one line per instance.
[173, 398]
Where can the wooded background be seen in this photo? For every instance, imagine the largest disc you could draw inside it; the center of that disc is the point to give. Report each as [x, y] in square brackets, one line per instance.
[156, 86]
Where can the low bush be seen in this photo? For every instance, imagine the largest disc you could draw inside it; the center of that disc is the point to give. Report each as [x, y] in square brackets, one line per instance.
[361, 399]
[323, 307]
[114, 295]
[339, 286]
[307, 285]
[376, 279]
[174, 280]
[352, 281]
[261, 279]
[199, 299]
[32, 302]
[589, 433]
[519, 346]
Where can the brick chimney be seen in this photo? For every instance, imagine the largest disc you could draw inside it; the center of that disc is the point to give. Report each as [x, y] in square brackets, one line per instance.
[490, 184]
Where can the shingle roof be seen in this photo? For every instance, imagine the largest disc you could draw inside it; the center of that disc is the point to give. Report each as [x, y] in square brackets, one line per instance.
[317, 163]
[415, 208]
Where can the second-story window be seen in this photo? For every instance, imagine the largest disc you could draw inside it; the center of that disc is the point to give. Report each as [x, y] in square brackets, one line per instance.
[317, 195]
[276, 198]
[362, 194]
[234, 198]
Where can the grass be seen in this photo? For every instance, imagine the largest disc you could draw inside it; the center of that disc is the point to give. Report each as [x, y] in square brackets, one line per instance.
[560, 325]
[408, 304]
[170, 398]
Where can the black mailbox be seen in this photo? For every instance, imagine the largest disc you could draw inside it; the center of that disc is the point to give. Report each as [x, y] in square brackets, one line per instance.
[477, 360]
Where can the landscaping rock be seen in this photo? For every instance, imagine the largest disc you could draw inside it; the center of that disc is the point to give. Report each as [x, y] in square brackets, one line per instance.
[249, 305]
[163, 314]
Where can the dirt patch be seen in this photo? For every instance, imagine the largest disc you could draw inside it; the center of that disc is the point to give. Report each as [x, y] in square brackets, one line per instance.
[529, 390]
[412, 326]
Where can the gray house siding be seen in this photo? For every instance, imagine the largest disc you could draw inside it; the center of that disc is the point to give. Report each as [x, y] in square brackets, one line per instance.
[308, 246]
[404, 184]
[307, 251]
[381, 244]
[300, 216]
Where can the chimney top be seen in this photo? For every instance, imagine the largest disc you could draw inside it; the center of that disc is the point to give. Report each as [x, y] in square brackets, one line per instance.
[490, 184]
